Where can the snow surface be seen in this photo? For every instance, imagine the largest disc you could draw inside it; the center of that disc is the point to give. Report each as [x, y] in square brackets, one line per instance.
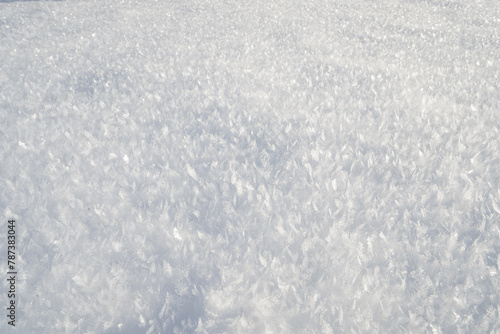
[235, 166]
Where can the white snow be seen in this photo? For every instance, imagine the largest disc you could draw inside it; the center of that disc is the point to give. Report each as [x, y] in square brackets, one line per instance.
[197, 166]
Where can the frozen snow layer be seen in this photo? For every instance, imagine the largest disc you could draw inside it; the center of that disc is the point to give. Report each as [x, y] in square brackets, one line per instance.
[252, 166]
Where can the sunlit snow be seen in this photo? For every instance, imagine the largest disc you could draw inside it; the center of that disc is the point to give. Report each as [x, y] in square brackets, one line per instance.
[252, 166]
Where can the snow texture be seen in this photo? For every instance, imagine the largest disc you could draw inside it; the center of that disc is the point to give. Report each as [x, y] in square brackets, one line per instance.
[266, 166]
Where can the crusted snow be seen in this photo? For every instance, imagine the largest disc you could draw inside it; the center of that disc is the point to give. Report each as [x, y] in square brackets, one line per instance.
[263, 166]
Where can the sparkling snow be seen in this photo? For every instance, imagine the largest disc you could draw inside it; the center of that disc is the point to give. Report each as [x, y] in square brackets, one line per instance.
[234, 166]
